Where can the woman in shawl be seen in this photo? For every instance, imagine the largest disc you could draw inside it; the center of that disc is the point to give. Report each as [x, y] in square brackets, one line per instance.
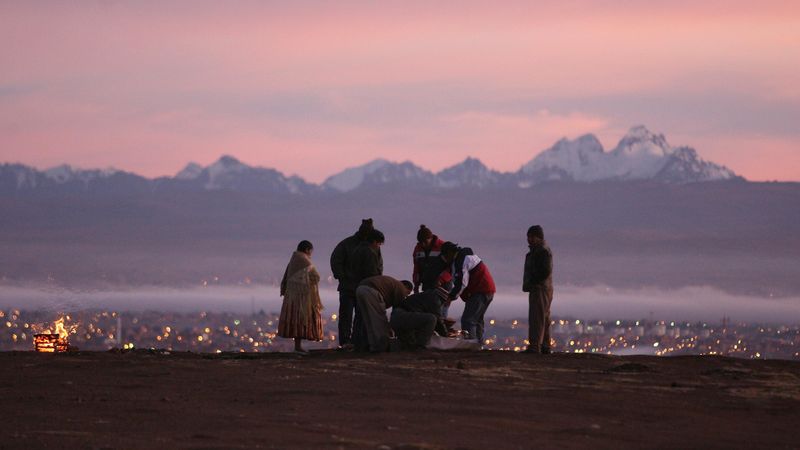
[300, 314]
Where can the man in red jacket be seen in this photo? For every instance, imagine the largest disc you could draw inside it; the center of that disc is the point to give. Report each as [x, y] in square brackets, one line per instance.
[426, 253]
[473, 282]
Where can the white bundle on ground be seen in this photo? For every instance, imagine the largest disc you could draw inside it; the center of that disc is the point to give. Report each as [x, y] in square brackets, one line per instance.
[444, 343]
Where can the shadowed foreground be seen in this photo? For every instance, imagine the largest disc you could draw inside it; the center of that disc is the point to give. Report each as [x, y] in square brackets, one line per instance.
[401, 400]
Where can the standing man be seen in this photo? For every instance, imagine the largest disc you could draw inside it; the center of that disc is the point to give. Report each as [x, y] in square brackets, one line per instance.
[367, 262]
[537, 281]
[342, 268]
[375, 295]
[367, 258]
[426, 254]
[473, 282]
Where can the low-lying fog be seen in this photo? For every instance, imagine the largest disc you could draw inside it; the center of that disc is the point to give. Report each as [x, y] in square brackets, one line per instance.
[590, 303]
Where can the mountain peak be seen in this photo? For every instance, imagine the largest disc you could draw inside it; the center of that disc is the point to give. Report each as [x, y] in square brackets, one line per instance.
[228, 161]
[638, 131]
[472, 163]
[574, 159]
[60, 174]
[640, 154]
[641, 140]
[190, 172]
[352, 177]
[470, 172]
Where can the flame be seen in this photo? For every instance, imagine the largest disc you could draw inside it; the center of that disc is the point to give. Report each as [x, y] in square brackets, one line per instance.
[62, 331]
[49, 341]
[59, 327]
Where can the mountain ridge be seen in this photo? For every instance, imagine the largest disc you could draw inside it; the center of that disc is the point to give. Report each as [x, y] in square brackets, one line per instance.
[639, 155]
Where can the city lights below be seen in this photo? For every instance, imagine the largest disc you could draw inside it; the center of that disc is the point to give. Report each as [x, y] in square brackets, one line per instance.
[231, 332]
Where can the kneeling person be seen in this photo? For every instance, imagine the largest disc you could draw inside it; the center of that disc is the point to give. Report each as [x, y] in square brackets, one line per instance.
[374, 296]
[416, 318]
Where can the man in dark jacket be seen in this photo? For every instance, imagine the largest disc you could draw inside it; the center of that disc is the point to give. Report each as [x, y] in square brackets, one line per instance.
[473, 282]
[537, 281]
[416, 318]
[367, 258]
[342, 268]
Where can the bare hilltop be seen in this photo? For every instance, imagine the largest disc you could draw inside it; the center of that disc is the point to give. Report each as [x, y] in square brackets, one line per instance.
[425, 400]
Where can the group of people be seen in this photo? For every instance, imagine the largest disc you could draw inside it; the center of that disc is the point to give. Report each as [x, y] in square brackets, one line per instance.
[442, 272]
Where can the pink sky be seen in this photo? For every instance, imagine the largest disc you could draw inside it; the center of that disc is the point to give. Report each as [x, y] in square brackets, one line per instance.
[311, 89]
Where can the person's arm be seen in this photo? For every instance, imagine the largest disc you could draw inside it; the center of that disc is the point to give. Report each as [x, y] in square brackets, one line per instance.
[339, 261]
[526, 276]
[283, 281]
[374, 264]
[415, 275]
[313, 275]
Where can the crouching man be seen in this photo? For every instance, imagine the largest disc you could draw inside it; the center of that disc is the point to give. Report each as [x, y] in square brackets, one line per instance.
[374, 296]
[416, 318]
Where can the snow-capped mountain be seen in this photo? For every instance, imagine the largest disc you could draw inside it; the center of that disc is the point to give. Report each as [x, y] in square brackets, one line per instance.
[684, 165]
[66, 179]
[470, 173]
[640, 155]
[228, 173]
[351, 178]
[405, 174]
[380, 172]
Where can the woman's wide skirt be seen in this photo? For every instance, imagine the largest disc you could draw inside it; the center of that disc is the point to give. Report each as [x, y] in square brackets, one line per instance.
[300, 318]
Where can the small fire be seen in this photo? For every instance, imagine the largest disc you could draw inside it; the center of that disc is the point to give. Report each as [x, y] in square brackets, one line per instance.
[54, 342]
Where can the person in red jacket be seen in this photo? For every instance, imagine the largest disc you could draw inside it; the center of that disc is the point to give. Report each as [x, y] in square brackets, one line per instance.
[426, 252]
[473, 282]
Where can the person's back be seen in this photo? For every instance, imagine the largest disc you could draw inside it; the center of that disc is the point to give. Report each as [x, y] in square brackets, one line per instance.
[471, 274]
[375, 295]
[429, 302]
[367, 258]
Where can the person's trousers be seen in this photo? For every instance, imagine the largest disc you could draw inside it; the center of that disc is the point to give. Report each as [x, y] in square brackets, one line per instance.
[372, 310]
[539, 300]
[347, 301]
[472, 318]
[413, 329]
[359, 337]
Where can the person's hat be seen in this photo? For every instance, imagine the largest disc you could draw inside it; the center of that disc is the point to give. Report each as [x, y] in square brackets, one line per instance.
[365, 227]
[424, 233]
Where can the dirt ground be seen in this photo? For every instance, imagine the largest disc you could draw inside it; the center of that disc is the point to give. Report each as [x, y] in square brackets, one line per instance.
[425, 400]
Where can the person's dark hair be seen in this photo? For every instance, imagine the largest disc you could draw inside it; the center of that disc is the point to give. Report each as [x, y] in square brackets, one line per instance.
[423, 233]
[408, 285]
[449, 247]
[376, 236]
[365, 228]
[305, 246]
[536, 230]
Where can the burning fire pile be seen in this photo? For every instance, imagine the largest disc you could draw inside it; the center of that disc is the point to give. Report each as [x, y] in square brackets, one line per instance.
[54, 341]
